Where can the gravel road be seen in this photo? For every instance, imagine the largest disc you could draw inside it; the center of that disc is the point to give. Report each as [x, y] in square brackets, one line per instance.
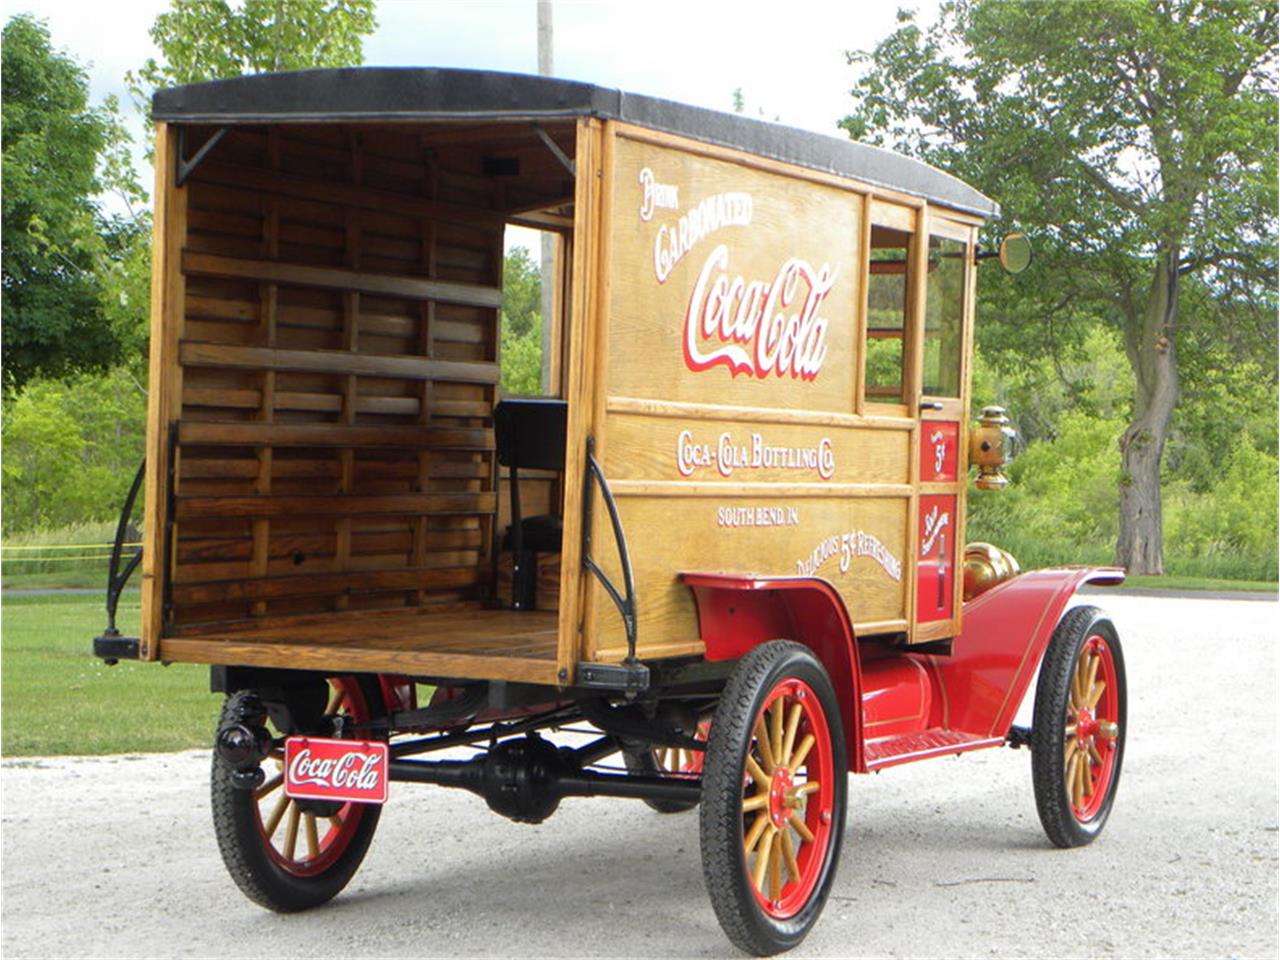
[116, 856]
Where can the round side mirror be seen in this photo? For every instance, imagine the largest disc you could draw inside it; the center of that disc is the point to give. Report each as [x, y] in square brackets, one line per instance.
[1015, 252]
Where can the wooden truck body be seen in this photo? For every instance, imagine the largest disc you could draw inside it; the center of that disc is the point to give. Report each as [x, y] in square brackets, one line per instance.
[751, 460]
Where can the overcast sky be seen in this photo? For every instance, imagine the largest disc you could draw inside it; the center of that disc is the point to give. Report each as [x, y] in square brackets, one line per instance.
[787, 56]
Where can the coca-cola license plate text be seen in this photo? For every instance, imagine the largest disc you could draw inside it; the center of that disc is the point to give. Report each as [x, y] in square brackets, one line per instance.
[317, 768]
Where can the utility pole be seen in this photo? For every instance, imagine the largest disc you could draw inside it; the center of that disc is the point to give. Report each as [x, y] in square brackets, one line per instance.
[546, 67]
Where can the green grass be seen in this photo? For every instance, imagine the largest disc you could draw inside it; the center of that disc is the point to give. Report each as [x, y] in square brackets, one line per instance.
[59, 699]
[72, 556]
[60, 580]
[1202, 583]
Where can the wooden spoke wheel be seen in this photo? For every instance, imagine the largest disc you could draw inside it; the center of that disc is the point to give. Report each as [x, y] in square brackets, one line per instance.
[670, 761]
[773, 797]
[1077, 738]
[287, 854]
[678, 761]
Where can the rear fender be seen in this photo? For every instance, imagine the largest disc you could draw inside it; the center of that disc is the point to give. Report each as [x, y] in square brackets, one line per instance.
[1004, 636]
[736, 614]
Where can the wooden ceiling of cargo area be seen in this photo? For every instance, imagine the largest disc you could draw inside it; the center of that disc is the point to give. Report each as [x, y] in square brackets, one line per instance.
[529, 164]
[524, 170]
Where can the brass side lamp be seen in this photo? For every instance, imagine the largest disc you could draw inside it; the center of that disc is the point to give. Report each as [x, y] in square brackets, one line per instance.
[991, 445]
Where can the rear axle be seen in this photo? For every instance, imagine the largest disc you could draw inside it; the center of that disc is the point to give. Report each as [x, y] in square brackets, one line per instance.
[525, 779]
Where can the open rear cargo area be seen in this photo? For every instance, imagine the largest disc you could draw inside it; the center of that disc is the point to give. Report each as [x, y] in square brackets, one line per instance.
[324, 487]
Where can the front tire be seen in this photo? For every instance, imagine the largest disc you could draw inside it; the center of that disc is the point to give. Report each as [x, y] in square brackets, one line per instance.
[285, 854]
[773, 798]
[1078, 729]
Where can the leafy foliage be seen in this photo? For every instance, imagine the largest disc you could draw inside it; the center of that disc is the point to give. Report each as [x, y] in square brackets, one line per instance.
[211, 39]
[521, 324]
[76, 284]
[1060, 503]
[1230, 529]
[1136, 140]
[52, 234]
[71, 449]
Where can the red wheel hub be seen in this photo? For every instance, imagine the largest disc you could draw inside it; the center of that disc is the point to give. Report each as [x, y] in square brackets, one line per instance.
[1086, 726]
[782, 799]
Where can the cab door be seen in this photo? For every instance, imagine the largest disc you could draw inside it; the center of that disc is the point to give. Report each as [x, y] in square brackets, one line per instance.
[942, 333]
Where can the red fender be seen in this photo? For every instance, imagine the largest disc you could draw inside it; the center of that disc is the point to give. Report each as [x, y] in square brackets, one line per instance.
[737, 613]
[1005, 633]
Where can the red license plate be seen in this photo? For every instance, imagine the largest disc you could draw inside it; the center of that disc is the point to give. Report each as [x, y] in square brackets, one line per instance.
[317, 768]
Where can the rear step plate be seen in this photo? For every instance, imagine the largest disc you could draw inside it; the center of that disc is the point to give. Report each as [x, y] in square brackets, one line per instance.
[318, 768]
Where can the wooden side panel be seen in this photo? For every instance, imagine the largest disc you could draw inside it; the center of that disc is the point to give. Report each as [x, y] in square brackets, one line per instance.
[588, 284]
[858, 543]
[165, 384]
[730, 437]
[691, 279]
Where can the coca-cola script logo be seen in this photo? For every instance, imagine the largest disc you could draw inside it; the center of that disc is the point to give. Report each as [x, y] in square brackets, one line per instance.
[760, 327]
[322, 769]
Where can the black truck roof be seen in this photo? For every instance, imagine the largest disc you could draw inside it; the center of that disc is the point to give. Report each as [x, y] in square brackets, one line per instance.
[370, 94]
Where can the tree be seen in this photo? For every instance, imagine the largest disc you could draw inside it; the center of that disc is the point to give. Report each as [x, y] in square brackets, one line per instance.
[1136, 138]
[210, 40]
[70, 449]
[521, 331]
[52, 234]
[521, 291]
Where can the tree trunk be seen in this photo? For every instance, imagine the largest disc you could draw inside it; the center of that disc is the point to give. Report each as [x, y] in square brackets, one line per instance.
[1149, 343]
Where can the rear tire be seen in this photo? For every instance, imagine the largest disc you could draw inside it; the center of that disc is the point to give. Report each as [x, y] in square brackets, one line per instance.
[669, 761]
[773, 798]
[1078, 730]
[284, 854]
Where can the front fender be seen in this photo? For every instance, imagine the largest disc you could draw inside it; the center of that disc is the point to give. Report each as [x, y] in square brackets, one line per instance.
[1004, 636]
[737, 613]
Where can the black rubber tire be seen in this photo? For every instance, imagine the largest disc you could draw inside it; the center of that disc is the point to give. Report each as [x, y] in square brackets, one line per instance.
[644, 763]
[721, 822]
[1053, 802]
[235, 824]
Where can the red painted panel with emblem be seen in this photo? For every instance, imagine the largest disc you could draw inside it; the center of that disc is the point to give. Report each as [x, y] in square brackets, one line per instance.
[936, 559]
[318, 768]
[939, 451]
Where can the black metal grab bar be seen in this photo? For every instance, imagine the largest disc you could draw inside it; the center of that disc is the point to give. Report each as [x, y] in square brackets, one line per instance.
[116, 578]
[626, 605]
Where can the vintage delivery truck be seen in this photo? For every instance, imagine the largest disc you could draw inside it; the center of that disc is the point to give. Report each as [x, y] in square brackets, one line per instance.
[728, 539]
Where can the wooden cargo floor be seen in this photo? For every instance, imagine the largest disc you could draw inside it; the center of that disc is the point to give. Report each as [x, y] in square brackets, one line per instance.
[476, 644]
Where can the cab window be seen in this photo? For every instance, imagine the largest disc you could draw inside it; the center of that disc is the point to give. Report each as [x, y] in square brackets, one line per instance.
[944, 317]
[888, 300]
